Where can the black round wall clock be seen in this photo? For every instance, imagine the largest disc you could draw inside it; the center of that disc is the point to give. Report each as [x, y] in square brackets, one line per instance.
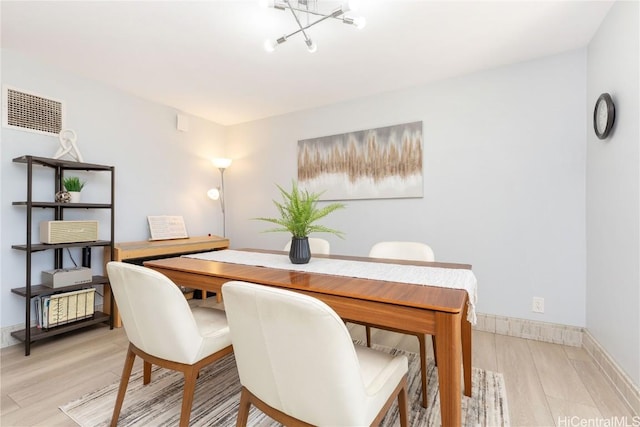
[604, 114]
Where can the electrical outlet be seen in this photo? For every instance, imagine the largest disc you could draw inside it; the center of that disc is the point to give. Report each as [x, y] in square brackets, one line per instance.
[538, 305]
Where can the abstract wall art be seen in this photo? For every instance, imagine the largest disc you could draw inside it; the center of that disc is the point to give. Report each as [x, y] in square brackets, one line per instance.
[379, 163]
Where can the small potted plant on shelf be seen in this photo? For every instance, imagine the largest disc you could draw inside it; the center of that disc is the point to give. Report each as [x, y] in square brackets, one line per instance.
[73, 185]
[299, 212]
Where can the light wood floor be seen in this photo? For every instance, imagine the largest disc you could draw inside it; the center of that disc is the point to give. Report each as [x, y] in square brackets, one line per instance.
[545, 382]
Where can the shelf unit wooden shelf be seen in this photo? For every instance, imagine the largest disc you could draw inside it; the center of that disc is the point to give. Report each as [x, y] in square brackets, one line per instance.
[31, 334]
[65, 205]
[47, 246]
[37, 290]
[36, 334]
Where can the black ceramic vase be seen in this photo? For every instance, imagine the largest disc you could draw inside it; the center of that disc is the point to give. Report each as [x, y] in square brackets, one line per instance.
[299, 252]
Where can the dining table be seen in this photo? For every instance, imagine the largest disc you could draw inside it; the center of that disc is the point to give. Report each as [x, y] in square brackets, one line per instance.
[430, 298]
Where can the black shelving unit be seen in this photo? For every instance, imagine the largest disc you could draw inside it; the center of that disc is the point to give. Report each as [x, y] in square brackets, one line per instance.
[30, 290]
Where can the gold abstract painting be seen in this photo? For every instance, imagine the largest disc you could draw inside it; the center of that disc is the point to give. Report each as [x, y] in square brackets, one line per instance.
[379, 163]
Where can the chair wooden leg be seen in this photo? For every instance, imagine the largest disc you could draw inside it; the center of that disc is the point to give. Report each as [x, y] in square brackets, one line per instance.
[423, 367]
[124, 382]
[243, 409]
[435, 353]
[403, 407]
[190, 377]
[146, 378]
[368, 331]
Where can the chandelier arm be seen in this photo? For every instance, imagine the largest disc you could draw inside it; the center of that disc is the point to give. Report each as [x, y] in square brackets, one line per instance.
[339, 14]
[306, 37]
[335, 14]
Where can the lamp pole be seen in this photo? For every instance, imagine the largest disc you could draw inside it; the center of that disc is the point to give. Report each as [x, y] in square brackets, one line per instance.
[222, 164]
[224, 227]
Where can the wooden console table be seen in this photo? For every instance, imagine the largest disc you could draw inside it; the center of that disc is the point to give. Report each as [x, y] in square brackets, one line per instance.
[151, 249]
[148, 250]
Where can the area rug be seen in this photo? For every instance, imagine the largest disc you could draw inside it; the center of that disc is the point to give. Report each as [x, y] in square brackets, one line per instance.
[217, 397]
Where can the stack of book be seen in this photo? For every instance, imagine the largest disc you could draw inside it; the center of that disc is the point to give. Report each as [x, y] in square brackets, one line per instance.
[59, 309]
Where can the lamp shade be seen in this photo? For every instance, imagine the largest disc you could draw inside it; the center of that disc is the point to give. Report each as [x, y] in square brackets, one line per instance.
[221, 163]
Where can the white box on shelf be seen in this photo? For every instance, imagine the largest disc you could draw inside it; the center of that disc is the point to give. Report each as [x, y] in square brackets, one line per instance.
[61, 277]
[53, 232]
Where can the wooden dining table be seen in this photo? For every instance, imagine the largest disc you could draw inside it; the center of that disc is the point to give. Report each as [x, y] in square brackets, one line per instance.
[411, 308]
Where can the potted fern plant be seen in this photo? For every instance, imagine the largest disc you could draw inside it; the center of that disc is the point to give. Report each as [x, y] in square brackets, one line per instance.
[73, 185]
[299, 212]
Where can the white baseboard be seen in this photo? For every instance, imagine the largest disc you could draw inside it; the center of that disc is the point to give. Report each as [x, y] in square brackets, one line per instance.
[530, 329]
[5, 335]
[628, 391]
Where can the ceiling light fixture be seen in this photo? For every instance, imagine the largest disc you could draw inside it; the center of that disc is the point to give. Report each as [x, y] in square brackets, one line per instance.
[303, 12]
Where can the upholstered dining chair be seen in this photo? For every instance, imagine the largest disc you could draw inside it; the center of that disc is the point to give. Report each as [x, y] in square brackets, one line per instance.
[410, 251]
[316, 245]
[163, 330]
[298, 365]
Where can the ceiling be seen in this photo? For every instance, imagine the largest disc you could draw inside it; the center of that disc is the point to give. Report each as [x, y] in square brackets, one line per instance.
[206, 58]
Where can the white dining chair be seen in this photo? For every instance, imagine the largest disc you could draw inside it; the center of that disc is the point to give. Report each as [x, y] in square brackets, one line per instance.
[412, 251]
[316, 245]
[400, 250]
[298, 365]
[163, 330]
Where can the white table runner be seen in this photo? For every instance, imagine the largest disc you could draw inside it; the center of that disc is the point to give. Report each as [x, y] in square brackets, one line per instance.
[419, 275]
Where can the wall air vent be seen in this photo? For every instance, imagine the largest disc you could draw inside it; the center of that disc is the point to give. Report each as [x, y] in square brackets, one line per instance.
[30, 112]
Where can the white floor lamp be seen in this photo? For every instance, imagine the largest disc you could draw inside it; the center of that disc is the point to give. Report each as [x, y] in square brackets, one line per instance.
[218, 193]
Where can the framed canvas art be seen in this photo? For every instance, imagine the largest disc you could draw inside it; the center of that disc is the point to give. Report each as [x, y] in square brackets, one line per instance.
[379, 163]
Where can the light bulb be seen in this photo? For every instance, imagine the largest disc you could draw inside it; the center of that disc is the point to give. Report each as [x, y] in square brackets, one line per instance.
[360, 22]
[350, 5]
[266, 3]
[270, 45]
[311, 46]
[213, 194]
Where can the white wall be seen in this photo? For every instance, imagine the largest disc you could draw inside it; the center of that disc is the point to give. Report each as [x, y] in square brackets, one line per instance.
[159, 170]
[613, 190]
[504, 180]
